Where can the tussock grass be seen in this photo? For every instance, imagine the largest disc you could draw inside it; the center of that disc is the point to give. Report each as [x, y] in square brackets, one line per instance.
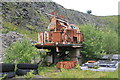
[53, 72]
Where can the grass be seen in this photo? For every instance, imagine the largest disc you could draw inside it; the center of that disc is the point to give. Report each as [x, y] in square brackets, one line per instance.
[44, 71]
[53, 72]
[83, 74]
[110, 21]
[29, 34]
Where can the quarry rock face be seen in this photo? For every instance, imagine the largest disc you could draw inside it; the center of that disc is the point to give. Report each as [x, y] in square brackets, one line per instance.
[33, 13]
[31, 16]
[7, 39]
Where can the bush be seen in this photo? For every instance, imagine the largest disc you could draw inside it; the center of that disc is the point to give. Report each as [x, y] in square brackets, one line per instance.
[29, 74]
[21, 52]
[98, 41]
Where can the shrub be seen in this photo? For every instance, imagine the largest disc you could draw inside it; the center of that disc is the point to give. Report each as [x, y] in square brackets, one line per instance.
[21, 52]
[98, 41]
[29, 75]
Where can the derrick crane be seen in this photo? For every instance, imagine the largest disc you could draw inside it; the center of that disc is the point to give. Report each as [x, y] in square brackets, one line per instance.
[61, 37]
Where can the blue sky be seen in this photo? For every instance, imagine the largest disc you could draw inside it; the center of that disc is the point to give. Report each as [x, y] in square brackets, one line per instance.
[98, 7]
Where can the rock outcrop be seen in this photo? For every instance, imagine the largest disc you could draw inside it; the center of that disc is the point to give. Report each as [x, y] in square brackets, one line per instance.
[24, 14]
[31, 16]
[7, 39]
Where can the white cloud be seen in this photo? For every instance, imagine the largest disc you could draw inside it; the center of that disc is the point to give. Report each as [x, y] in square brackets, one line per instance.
[98, 7]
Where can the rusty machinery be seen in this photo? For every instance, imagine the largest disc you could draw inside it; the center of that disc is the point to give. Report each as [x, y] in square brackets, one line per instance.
[63, 39]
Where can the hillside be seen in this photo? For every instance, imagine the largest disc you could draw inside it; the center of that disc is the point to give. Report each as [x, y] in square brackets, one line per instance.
[20, 20]
[30, 18]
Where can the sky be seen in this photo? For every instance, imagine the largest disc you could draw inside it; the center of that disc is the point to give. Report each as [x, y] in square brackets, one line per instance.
[98, 7]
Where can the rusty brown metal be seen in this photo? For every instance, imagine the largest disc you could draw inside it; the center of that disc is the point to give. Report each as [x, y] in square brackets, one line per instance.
[61, 32]
[62, 16]
[66, 64]
[40, 37]
[54, 13]
[56, 37]
[60, 37]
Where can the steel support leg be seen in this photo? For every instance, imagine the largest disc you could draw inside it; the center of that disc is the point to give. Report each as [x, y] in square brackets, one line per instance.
[75, 55]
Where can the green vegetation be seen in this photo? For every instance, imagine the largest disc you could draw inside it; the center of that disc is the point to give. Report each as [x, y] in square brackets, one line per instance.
[98, 41]
[29, 34]
[42, 18]
[9, 26]
[53, 72]
[29, 75]
[46, 70]
[32, 33]
[2, 78]
[21, 52]
[110, 21]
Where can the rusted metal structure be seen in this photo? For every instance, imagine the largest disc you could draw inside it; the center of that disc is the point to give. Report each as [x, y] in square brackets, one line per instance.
[66, 64]
[61, 37]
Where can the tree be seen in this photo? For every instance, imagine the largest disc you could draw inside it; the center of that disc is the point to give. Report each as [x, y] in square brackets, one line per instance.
[98, 42]
[21, 52]
[110, 41]
[89, 11]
